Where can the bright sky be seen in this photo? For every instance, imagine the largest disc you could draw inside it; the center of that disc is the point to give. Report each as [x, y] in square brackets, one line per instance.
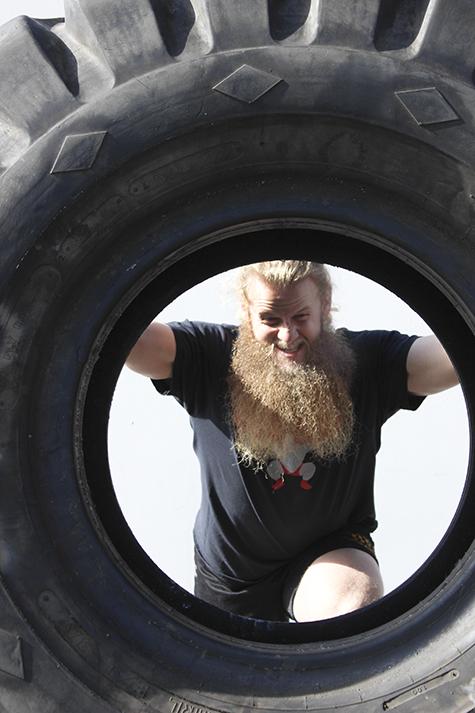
[421, 467]
[33, 8]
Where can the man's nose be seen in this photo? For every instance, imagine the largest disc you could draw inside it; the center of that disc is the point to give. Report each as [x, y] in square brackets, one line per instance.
[287, 333]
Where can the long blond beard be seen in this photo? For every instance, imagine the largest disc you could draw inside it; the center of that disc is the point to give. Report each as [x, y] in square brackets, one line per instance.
[273, 407]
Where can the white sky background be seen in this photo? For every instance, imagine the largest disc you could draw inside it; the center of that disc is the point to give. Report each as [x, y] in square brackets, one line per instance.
[421, 466]
[33, 8]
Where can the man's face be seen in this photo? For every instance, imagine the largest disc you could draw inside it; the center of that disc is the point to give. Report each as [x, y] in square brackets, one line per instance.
[288, 319]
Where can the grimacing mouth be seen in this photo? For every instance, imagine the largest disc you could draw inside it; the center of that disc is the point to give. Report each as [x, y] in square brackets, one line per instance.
[289, 349]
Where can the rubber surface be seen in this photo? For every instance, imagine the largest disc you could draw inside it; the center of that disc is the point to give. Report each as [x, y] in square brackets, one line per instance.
[144, 146]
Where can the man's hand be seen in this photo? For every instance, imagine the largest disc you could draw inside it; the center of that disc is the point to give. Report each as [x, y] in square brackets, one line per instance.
[429, 369]
[154, 352]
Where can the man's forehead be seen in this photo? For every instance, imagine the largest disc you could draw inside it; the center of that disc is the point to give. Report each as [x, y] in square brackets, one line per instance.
[264, 296]
[278, 302]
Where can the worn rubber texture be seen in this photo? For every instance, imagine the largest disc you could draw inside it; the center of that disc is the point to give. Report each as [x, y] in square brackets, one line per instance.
[144, 146]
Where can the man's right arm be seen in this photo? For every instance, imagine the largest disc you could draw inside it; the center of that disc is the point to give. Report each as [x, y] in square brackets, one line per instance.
[154, 352]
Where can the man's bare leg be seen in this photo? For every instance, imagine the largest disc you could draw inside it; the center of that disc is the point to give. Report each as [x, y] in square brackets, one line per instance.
[336, 583]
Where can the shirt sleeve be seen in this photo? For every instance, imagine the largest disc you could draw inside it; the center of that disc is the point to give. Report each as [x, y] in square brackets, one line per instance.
[392, 373]
[202, 358]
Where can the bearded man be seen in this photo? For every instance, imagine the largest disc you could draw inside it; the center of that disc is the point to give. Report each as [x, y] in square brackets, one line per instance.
[287, 414]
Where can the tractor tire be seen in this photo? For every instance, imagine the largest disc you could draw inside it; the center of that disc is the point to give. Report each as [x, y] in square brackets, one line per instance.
[144, 146]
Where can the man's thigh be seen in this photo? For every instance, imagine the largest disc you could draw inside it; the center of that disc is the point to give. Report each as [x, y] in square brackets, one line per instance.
[335, 583]
[261, 599]
[272, 596]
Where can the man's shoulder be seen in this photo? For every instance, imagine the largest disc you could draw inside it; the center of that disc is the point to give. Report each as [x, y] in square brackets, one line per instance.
[359, 339]
[373, 337]
[198, 337]
[374, 347]
[200, 328]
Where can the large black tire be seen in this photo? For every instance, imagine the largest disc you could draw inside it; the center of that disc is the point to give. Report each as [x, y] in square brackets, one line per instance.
[145, 145]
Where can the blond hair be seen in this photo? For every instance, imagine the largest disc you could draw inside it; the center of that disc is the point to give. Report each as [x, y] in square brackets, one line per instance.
[282, 273]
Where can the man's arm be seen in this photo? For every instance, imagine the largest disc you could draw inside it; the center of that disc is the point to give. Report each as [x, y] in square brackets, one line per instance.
[154, 352]
[429, 369]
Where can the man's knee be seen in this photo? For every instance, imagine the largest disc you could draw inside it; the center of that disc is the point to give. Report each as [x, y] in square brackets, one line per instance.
[336, 583]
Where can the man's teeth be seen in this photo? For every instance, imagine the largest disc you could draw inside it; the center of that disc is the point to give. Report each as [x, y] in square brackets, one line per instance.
[289, 350]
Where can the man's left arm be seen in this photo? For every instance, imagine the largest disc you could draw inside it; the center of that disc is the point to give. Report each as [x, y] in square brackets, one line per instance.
[429, 369]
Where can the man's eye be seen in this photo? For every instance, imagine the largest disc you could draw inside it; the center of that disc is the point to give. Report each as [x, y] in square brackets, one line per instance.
[301, 317]
[270, 321]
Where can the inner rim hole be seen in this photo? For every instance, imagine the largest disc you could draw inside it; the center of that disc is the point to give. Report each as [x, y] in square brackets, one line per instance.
[420, 468]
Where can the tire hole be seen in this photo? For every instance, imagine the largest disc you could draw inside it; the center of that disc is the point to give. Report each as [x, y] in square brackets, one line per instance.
[418, 485]
[156, 289]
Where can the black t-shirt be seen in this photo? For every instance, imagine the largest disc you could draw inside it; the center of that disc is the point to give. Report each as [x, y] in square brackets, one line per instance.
[251, 523]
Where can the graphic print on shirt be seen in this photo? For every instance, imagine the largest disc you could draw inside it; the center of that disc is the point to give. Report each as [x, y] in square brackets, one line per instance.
[292, 465]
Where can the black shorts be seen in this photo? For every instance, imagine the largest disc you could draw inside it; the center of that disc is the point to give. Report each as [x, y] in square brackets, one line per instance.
[271, 597]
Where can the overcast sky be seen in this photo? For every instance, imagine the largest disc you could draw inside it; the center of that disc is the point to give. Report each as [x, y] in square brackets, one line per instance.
[421, 466]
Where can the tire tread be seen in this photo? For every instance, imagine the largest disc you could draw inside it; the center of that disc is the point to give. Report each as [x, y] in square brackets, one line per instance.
[124, 37]
[238, 25]
[38, 85]
[293, 21]
[399, 23]
[184, 27]
[355, 29]
[448, 27]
